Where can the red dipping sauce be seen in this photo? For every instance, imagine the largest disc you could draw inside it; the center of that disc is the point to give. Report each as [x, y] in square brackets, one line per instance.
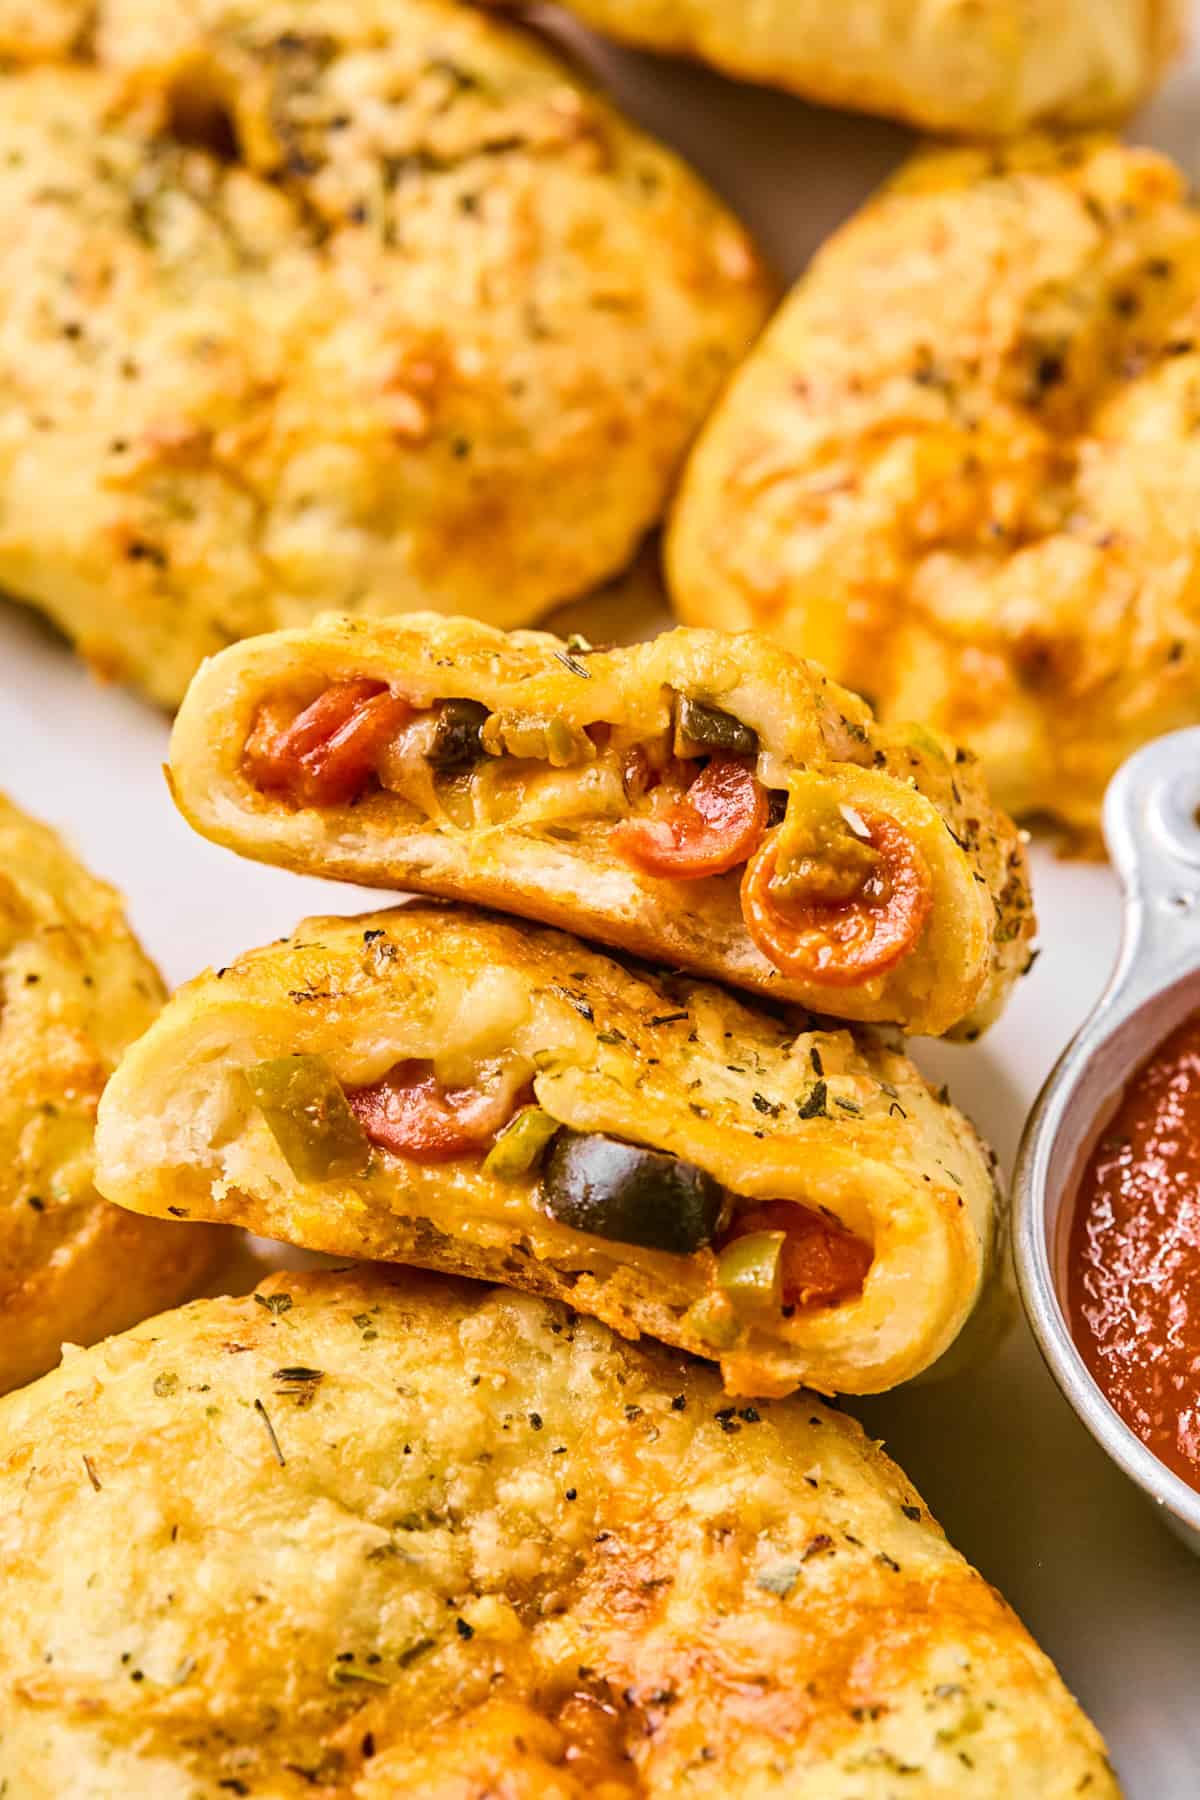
[1133, 1277]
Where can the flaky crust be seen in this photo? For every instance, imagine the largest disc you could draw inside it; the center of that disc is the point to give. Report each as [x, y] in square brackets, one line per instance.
[333, 302]
[75, 989]
[961, 469]
[375, 1536]
[672, 1064]
[991, 68]
[564, 871]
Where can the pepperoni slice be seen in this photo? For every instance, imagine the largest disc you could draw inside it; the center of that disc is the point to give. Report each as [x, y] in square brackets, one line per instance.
[821, 1263]
[327, 754]
[840, 943]
[717, 825]
[410, 1113]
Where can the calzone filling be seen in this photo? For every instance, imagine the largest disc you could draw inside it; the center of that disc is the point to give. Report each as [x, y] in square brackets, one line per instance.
[764, 1261]
[437, 1084]
[831, 893]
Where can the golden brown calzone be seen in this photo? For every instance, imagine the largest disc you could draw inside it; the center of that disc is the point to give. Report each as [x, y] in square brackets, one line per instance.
[961, 469]
[75, 989]
[703, 799]
[316, 303]
[382, 1537]
[440, 1086]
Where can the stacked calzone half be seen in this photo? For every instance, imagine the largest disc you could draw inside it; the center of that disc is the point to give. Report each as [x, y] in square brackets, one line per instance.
[704, 799]
[440, 1086]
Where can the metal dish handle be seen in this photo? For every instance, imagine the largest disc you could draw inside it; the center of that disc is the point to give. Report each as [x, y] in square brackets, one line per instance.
[1152, 826]
[1153, 834]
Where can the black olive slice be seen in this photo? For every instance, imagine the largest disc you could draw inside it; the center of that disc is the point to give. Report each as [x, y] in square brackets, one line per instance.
[630, 1194]
[701, 728]
[456, 742]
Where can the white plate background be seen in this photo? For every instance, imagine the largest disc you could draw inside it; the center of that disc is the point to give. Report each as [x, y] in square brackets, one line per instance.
[1019, 1485]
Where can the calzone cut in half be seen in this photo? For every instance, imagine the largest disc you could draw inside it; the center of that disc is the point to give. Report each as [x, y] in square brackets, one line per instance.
[372, 1536]
[443, 1087]
[704, 799]
[75, 989]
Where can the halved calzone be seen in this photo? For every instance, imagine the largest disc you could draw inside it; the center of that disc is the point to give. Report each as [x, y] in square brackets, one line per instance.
[702, 799]
[371, 1536]
[75, 989]
[440, 1086]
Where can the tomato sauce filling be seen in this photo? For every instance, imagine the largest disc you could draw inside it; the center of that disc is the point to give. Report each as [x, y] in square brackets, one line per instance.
[1133, 1269]
[840, 917]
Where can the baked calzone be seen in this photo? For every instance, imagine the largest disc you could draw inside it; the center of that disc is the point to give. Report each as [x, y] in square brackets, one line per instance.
[703, 799]
[985, 69]
[440, 1086]
[75, 989]
[962, 468]
[319, 303]
[380, 1537]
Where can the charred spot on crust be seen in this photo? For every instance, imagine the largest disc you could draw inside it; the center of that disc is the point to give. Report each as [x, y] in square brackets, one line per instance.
[200, 118]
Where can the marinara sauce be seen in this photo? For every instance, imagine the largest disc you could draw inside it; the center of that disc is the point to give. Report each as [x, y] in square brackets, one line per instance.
[1133, 1281]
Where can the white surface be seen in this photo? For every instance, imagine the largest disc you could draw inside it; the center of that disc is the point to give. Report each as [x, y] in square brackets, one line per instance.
[1019, 1485]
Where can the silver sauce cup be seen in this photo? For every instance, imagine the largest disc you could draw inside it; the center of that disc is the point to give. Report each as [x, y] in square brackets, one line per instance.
[1152, 826]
